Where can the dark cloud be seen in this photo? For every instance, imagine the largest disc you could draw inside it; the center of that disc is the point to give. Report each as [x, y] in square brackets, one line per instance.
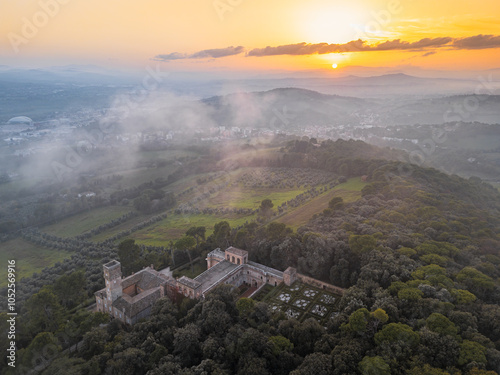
[428, 53]
[397, 44]
[478, 42]
[171, 56]
[217, 53]
[208, 53]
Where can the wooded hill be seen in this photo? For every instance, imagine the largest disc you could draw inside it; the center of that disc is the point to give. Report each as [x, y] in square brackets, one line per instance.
[418, 254]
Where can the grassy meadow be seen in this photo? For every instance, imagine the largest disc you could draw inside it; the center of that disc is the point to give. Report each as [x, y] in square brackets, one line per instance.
[81, 223]
[30, 258]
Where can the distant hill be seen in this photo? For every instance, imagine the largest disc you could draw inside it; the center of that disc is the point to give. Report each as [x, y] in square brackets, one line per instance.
[285, 108]
[288, 108]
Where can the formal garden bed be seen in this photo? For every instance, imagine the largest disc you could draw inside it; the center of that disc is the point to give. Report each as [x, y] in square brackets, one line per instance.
[300, 301]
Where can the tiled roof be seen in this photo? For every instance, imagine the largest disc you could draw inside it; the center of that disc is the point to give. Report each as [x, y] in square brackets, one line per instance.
[150, 280]
[190, 283]
[134, 305]
[132, 279]
[145, 279]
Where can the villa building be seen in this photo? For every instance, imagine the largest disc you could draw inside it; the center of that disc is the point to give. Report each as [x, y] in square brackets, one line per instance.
[132, 298]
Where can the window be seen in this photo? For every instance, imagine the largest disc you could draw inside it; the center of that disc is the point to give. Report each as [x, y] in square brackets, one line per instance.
[114, 281]
[109, 308]
[105, 305]
[238, 260]
[120, 315]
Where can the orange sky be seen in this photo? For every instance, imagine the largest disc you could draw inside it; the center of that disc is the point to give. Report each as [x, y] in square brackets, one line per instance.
[132, 32]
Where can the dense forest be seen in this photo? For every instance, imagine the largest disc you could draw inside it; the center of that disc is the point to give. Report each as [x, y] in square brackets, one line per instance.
[418, 255]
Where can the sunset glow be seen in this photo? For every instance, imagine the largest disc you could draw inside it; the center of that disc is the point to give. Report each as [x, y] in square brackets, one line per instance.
[179, 34]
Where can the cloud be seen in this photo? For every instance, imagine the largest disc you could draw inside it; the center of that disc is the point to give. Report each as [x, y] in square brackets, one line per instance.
[397, 44]
[429, 53]
[208, 53]
[301, 49]
[171, 56]
[353, 46]
[478, 42]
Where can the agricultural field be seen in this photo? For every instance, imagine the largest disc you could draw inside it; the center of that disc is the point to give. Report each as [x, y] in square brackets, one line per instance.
[202, 200]
[127, 225]
[301, 301]
[175, 225]
[135, 177]
[247, 187]
[205, 199]
[81, 223]
[34, 258]
[349, 191]
[244, 197]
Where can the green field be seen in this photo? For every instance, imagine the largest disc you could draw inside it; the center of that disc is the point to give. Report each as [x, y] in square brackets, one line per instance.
[29, 258]
[81, 223]
[244, 197]
[129, 224]
[237, 194]
[349, 192]
[174, 227]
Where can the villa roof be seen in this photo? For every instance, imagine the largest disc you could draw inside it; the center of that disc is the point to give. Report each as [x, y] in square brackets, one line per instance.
[268, 270]
[132, 306]
[145, 279]
[236, 251]
[190, 283]
[217, 253]
[214, 274]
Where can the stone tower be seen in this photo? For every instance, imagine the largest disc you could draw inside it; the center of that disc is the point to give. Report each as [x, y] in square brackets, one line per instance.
[290, 276]
[113, 279]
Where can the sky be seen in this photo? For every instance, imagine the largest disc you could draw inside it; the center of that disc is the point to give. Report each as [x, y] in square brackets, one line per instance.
[252, 35]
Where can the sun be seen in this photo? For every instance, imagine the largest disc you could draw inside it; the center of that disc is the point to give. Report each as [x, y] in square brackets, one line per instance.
[334, 66]
[330, 24]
